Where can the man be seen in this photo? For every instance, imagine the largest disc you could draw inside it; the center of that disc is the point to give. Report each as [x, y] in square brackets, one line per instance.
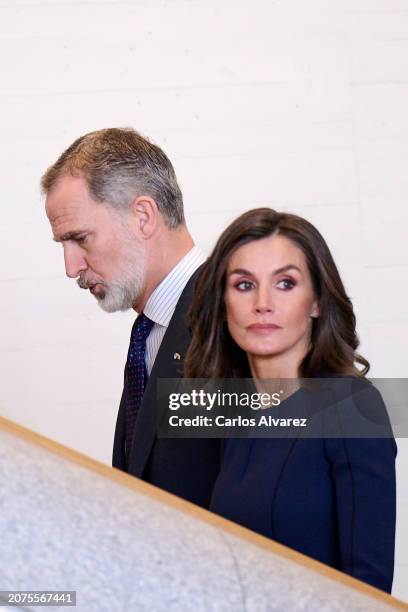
[113, 202]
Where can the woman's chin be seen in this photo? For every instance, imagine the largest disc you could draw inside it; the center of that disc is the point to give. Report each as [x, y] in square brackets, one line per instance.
[263, 351]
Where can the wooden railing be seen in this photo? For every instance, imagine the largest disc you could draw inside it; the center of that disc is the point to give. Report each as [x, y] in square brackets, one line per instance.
[69, 522]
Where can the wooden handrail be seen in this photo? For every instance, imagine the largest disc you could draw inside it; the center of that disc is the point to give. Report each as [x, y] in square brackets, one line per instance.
[206, 516]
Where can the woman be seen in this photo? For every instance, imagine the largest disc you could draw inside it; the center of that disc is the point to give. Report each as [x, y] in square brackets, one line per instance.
[269, 303]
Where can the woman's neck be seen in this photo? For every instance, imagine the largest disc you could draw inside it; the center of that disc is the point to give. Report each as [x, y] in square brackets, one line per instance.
[268, 368]
[274, 376]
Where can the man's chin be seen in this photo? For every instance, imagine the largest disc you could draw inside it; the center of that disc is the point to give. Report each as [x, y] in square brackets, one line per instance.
[106, 304]
[110, 301]
[114, 296]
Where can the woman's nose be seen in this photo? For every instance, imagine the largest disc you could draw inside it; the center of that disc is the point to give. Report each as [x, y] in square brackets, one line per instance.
[264, 301]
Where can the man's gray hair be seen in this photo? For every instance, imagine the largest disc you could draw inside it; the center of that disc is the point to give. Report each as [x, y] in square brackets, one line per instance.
[119, 164]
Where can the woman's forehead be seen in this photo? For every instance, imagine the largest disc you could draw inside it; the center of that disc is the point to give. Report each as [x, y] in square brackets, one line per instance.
[271, 252]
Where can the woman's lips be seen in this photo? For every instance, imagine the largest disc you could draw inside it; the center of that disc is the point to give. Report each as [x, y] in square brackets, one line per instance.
[263, 328]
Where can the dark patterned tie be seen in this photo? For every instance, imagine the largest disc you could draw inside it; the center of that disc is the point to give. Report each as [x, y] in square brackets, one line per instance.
[136, 374]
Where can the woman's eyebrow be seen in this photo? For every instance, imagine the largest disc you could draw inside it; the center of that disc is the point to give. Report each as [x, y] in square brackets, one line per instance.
[286, 268]
[277, 271]
[240, 271]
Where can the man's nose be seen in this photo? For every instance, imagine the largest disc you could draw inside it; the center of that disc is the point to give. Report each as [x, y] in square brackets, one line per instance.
[75, 262]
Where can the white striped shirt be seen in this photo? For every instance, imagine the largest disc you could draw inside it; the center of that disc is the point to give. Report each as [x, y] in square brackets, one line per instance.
[161, 304]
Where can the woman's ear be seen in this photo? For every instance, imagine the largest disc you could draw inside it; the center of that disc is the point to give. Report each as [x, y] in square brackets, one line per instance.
[314, 312]
[144, 216]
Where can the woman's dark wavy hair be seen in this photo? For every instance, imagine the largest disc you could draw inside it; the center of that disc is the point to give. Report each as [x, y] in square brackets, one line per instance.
[214, 354]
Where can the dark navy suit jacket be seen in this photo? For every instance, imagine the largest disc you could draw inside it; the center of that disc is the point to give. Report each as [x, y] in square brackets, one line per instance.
[186, 467]
[330, 498]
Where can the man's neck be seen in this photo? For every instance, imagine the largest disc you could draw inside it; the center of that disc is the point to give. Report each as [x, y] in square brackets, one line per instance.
[169, 249]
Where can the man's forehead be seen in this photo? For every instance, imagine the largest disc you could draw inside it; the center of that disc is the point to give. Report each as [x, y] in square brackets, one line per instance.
[67, 228]
[65, 201]
[58, 212]
[66, 190]
[67, 222]
[67, 215]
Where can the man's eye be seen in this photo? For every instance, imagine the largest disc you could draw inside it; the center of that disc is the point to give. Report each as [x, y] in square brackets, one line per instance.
[244, 285]
[81, 239]
[285, 284]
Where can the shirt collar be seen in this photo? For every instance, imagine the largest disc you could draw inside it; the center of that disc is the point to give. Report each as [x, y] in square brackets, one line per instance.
[162, 302]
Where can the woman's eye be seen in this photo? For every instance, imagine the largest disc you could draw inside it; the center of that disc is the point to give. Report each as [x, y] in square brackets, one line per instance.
[285, 283]
[244, 285]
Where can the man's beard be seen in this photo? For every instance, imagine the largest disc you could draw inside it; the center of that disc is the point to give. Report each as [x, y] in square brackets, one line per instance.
[124, 291]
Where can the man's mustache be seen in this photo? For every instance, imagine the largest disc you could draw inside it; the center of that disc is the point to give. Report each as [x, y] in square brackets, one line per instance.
[84, 283]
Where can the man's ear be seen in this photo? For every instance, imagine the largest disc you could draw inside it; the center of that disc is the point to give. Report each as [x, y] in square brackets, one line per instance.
[144, 216]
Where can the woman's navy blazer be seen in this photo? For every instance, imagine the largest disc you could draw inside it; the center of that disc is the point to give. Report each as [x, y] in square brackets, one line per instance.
[331, 498]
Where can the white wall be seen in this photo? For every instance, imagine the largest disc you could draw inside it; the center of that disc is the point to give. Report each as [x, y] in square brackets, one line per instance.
[292, 104]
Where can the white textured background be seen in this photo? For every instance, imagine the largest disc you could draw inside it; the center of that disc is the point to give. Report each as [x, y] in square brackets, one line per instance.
[298, 105]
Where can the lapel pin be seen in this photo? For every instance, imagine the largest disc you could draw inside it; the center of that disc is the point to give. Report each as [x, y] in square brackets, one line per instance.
[177, 356]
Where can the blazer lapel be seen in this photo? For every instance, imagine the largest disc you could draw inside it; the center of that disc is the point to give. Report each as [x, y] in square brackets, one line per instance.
[168, 364]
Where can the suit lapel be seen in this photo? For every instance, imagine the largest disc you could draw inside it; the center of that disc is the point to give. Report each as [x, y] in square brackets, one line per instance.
[168, 364]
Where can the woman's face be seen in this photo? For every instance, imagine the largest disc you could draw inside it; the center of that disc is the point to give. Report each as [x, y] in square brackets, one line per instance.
[270, 300]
